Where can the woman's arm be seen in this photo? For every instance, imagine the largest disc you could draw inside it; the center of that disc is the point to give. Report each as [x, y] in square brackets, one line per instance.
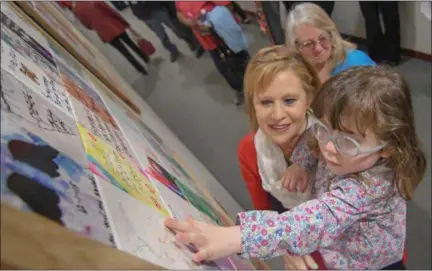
[249, 169]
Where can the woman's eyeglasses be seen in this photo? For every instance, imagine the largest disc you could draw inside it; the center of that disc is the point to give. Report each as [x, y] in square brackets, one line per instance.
[343, 143]
[324, 40]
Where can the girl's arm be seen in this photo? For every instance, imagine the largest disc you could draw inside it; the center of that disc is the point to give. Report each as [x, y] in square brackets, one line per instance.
[302, 154]
[264, 234]
[307, 227]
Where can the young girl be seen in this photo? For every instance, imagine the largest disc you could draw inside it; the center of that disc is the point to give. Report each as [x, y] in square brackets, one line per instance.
[368, 164]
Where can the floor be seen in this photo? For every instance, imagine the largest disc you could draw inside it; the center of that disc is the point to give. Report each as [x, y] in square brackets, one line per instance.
[196, 104]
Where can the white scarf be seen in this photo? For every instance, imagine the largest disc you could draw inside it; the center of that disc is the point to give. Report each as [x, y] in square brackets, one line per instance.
[271, 166]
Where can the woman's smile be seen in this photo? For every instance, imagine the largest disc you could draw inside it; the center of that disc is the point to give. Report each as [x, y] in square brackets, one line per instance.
[280, 128]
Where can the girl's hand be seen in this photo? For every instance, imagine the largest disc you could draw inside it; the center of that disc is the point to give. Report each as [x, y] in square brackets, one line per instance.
[212, 242]
[295, 179]
[299, 262]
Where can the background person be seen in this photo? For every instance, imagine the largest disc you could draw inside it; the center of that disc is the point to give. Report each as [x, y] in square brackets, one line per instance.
[383, 45]
[110, 26]
[310, 30]
[155, 14]
[229, 64]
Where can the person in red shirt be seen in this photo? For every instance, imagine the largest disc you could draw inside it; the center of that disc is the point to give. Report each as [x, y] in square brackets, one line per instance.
[109, 25]
[189, 13]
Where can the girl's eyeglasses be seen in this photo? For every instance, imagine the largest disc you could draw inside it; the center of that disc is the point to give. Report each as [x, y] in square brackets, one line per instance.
[343, 143]
[324, 40]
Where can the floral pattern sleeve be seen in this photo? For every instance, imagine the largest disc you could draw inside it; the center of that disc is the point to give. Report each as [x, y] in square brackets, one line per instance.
[302, 155]
[307, 227]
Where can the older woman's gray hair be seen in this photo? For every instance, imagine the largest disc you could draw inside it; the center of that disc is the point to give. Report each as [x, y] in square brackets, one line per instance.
[312, 14]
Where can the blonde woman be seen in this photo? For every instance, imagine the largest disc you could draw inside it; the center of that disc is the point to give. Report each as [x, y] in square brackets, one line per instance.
[311, 31]
[279, 86]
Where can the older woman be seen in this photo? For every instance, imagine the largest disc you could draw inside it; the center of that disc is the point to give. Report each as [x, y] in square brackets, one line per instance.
[311, 31]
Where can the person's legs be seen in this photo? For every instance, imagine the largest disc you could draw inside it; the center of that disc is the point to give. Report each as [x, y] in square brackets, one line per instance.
[217, 61]
[116, 43]
[390, 14]
[374, 33]
[179, 29]
[289, 4]
[240, 12]
[234, 77]
[199, 50]
[272, 16]
[155, 24]
[126, 39]
[237, 70]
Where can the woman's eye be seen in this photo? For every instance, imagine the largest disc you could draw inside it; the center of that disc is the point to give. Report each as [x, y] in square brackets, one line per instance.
[265, 102]
[307, 44]
[324, 38]
[289, 101]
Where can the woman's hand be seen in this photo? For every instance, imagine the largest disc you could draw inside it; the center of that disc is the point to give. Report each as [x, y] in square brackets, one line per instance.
[299, 262]
[203, 28]
[295, 179]
[212, 242]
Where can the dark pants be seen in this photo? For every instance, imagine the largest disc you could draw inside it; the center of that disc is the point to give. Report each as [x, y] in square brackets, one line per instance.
[238, 10]
[163, 16]
[119, 5]
[272, 16]
[327, 6]
[382, 45]
[118, 44]
[235, 73]
[396, 266]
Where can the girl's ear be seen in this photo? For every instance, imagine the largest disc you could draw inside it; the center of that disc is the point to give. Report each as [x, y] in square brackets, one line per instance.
[309, 112]
[387, 152]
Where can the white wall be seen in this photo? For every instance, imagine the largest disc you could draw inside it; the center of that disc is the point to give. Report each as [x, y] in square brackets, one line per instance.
[415, 27]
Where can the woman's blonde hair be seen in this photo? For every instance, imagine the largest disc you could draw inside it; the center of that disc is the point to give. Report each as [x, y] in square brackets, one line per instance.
[266, 65]
[376, 99]
[308, 13]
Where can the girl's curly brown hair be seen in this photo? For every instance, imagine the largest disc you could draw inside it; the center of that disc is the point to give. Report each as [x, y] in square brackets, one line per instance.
[377, 99]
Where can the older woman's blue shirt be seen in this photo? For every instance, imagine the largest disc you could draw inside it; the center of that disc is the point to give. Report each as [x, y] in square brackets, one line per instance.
[353, 58]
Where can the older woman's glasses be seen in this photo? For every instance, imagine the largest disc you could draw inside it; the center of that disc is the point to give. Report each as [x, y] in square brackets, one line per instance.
[324, 40]
[343, 143]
